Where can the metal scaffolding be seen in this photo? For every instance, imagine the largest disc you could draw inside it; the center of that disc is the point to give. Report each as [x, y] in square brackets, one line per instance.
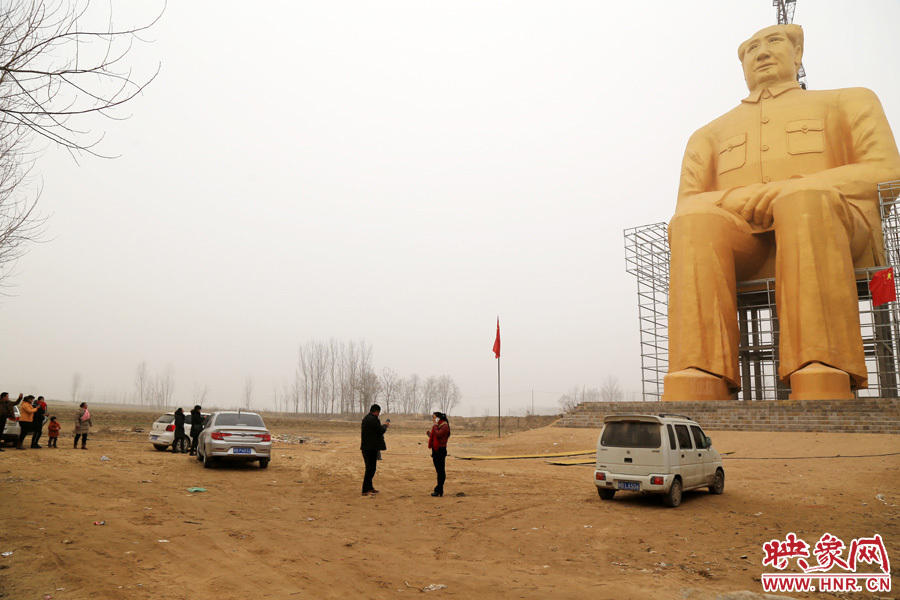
[647, 258]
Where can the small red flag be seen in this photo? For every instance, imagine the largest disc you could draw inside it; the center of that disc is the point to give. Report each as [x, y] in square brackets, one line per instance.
[497, 340]
[882, 287]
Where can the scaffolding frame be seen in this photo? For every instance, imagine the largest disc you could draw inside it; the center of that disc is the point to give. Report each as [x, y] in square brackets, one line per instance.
[647, 259]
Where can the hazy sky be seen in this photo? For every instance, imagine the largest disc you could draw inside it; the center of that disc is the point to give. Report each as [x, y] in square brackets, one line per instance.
[399, 172]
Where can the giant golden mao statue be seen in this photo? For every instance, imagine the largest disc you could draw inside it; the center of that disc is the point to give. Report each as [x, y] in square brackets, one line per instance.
[786, 181]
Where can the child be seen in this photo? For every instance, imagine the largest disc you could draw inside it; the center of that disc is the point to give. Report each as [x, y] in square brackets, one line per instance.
[53, 432]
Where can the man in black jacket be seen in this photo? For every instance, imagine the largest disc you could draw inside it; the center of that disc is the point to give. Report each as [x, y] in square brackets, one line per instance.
[179, 441]
[37, 424]
[372, 442]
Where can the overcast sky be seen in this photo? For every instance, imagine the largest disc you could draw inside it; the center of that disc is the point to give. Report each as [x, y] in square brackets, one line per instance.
[399, 172]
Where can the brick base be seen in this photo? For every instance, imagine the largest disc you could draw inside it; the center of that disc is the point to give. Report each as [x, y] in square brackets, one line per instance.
[871, 415]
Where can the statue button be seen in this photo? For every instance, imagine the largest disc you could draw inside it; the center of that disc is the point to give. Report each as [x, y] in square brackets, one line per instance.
[804, 129]
[763, 147]
[767, 179]
[765, 120]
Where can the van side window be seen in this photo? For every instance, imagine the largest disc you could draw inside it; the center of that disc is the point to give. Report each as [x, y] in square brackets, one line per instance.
[671, 437]
[698, 437]
[684, 437]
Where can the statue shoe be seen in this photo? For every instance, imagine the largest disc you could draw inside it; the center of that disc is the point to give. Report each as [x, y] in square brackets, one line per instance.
[816, 381]
[694, 385]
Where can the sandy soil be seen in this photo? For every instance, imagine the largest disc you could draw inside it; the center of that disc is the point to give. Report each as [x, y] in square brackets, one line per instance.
[510, 529]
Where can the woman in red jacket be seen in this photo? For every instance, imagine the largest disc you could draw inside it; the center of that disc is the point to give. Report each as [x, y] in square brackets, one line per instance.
[437, 441]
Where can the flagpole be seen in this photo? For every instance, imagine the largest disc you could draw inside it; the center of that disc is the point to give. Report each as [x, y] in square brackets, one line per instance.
[498, 396]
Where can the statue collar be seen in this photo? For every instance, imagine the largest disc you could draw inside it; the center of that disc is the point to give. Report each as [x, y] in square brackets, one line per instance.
[775, 90]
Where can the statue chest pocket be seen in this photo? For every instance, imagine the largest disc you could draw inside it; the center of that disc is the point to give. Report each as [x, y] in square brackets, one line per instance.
[732, 153]
[806, 136]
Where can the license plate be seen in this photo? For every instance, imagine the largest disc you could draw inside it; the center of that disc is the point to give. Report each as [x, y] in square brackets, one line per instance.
[154, 437]
[242, 450]
[633, 486]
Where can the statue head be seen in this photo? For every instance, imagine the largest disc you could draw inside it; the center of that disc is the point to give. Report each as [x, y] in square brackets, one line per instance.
[772, 56]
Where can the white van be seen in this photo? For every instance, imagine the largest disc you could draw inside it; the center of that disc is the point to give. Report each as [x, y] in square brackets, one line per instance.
[658, 454]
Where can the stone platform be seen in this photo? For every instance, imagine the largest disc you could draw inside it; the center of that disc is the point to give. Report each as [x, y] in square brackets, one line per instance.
[870, 415]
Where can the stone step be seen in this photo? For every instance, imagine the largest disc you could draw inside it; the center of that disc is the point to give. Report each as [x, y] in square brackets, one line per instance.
[862, 415]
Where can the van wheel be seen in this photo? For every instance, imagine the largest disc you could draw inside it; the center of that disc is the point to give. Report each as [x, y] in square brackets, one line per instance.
[263, 463]
[718, 485]
[606, 494]
[673, 498]
[207, 461]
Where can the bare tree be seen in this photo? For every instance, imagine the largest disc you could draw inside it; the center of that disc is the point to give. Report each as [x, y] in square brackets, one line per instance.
[200, 394]
[142, 382]
[390, 387]
[76, 386]
[429, 395]
[164, 387]
[54, 74]
[447, 393]
[610, 390]
[569, 400]
[248, 392]
[368, 390]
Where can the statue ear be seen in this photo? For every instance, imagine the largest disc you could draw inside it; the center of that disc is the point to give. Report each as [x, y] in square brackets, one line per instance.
[798, 56]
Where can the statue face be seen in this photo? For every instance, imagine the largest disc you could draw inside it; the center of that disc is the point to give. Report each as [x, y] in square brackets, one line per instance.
[770, 58]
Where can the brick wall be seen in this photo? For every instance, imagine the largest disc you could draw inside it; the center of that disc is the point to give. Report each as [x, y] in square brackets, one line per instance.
[849, 416]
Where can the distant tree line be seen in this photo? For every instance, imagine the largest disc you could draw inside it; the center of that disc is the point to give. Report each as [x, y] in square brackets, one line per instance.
[337, 377]
[154, 389]
[608, 392]
[330, 377]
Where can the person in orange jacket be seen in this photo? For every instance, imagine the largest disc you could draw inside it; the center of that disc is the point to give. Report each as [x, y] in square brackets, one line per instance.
[26, 416]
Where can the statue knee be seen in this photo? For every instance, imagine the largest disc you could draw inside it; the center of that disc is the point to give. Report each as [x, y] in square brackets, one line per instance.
[815, 200]
[697, 226]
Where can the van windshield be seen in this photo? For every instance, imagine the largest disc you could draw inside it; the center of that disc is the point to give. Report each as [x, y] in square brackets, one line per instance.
[631, 434]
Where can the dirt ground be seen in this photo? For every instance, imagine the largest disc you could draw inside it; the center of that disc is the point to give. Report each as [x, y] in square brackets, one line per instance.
[504, 529]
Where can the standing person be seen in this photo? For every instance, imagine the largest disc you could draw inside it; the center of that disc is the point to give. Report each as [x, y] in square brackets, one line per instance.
[83, 425]
[53, 428]
[196, 427]
[26, 418]
[38, 421]
[178, 440]
[6, 412]
[371, 443]
[437, 441]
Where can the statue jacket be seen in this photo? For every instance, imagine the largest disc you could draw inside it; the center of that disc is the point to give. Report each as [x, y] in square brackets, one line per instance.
[839, 138]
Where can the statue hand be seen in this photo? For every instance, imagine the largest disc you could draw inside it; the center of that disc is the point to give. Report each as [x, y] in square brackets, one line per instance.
[741, 200]
[758, 210]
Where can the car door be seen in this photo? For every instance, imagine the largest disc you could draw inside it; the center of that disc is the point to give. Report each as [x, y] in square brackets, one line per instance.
[686, 456]
[704, 465]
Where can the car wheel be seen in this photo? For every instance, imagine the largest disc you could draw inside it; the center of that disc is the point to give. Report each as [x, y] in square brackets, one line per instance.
[207, 461]
[160, 447]
[606, 494]
[718, 485]
[673, 498]
[263, 463]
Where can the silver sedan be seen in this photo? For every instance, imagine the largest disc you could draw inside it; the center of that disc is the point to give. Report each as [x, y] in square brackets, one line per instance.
[235, 436]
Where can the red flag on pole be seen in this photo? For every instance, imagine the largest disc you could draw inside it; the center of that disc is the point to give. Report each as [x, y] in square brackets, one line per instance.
[497, 340]
[882, 287]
